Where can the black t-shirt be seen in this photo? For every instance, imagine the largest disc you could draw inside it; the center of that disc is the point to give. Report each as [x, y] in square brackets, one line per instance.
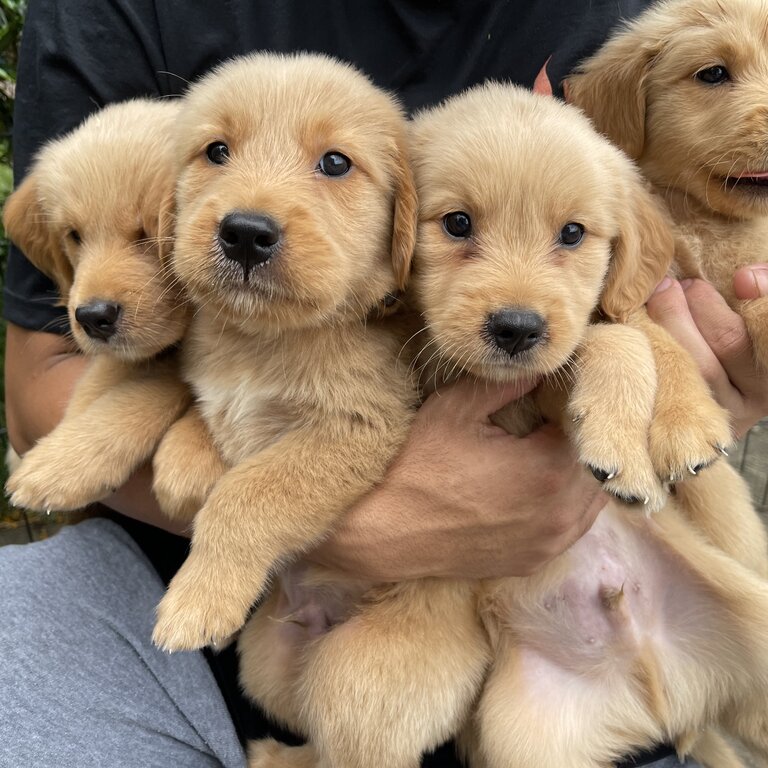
[80, 55]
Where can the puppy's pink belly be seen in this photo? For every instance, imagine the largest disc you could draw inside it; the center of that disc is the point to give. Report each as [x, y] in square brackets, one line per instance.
[619, 594]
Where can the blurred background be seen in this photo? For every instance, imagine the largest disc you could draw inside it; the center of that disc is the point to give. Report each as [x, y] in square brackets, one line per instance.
[18, 526]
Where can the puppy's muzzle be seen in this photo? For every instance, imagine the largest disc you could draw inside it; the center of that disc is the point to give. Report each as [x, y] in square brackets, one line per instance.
[250, 239]
[99, 319]
[515, 331]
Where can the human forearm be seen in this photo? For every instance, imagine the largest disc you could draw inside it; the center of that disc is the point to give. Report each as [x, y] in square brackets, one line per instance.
[41, 372]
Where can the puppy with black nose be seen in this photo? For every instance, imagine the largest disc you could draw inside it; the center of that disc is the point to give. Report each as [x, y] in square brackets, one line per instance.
[296, 222]
[90, 215]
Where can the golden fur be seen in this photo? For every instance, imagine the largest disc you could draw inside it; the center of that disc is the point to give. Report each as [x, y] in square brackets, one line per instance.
[643, 631]
[89, 214]
[296, 376]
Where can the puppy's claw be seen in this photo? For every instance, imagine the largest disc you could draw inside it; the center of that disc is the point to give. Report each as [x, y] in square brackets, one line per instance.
[603, 475]
[722, 450]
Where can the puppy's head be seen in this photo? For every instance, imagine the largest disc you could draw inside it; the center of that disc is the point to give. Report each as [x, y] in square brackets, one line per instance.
[684, 90]
[295, 201]
[89, 214]
[529, 221]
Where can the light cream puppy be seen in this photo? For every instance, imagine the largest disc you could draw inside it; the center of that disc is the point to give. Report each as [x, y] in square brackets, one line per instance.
[90, 215]
[295, 230]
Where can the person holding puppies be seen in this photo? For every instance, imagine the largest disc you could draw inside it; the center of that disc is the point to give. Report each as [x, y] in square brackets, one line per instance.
[78, 624]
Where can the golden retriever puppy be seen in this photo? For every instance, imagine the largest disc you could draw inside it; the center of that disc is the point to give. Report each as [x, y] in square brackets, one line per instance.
[295, 229]
[637, 633]
[643, 631]
[683, 90]
[89, 215]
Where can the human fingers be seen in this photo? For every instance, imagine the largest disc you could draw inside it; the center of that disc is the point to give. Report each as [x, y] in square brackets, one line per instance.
[751, 282]
[669, 307]
[471, 400]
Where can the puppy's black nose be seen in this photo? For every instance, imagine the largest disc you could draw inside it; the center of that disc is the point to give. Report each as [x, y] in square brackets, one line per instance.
[249, 238]
[99, 319]
[515, 330]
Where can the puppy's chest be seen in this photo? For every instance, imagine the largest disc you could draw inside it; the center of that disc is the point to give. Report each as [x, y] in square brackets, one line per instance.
[243, 400]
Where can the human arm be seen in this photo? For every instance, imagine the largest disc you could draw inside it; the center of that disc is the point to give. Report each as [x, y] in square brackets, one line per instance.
[695, 314]
[465, 499]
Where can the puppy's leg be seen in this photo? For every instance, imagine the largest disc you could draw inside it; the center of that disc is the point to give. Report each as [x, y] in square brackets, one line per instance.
[610, 407]
[270, 507]
[97, 446]
[748, 722]
[755, 314]
[713, 751]
[397, 679]
[718, 503]
[186, 467]
[535, 713]
[269, 753]
[689, 429]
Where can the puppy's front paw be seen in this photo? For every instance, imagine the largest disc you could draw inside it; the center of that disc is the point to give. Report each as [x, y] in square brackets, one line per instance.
[186, 466]
[204, 605]
[46, 481]
[611, 405]
[624, 473]
[619, 461]
[181, 486]
[686, 441]
[269, 753]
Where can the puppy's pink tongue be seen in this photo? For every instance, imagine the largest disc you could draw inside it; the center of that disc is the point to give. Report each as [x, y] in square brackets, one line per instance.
[761, 175]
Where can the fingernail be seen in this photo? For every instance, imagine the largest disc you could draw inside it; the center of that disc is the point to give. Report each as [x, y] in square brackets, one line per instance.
[687, 283]
[663, 285]
[760, 276]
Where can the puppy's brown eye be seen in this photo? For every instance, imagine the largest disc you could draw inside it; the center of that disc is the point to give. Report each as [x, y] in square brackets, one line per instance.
[713, 75]
[457, 224]
[217, 152]
[334, 164]
[74, 236]
[571, 234]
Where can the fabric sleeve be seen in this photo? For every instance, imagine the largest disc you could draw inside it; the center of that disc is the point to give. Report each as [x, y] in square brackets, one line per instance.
[75, 57]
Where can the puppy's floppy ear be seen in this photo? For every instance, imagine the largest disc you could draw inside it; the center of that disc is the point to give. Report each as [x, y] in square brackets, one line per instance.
[26, 223]
[642, 253]
[611, 86]
[159, 219]
[405, 216]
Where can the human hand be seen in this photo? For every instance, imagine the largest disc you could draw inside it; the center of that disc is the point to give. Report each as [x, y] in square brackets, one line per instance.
[465, 499]
[698, 317]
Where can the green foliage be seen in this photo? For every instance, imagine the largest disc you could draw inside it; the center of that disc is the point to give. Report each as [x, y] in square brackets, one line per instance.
[11, 22]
